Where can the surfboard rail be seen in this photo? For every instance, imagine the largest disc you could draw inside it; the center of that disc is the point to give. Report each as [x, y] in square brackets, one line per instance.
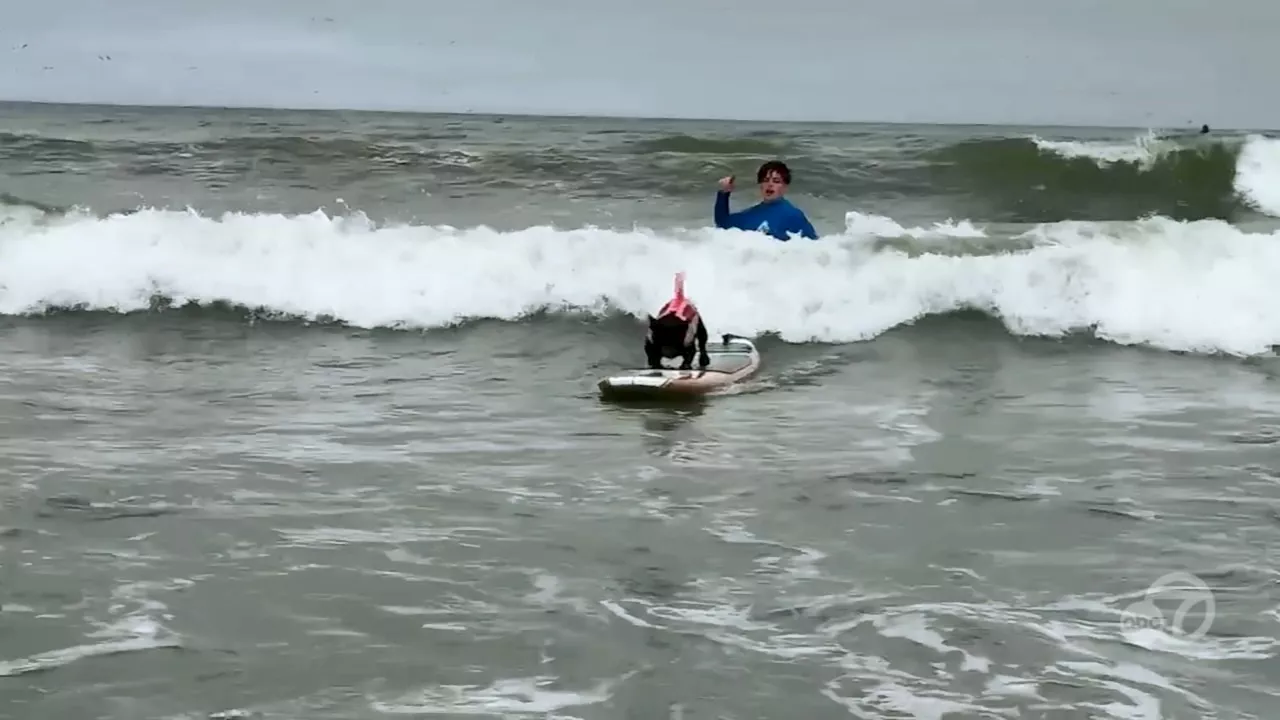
[733, 360]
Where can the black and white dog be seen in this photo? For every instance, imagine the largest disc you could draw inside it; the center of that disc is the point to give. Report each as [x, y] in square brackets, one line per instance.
[677, 332]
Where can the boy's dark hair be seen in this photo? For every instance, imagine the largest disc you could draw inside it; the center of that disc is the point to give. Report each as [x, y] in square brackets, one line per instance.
[774, 166]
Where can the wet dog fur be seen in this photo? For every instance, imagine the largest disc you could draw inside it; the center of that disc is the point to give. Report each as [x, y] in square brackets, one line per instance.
[670, 337]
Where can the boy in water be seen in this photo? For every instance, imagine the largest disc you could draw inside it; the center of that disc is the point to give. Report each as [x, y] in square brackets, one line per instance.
[774, 215]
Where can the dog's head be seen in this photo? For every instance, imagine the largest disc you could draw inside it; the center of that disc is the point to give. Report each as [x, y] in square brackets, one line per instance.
[675, 323]
[669, 330]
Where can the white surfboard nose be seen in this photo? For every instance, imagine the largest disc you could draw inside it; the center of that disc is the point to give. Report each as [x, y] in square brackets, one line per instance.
[654, 381]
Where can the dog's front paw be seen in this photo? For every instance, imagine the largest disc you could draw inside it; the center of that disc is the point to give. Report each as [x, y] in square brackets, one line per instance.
[704, 359]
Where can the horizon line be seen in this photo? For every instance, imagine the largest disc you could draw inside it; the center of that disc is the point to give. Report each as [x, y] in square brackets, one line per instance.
[605, 116]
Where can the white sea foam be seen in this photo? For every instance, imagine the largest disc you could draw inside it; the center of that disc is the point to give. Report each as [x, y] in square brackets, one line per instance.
[1258, 174]
[1143, 150]
[142, 629]
[1204, 286]
[514, 697]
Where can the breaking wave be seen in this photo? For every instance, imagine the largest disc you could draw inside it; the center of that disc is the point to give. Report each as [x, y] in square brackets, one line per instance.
[1203, 286]
[1037, 179]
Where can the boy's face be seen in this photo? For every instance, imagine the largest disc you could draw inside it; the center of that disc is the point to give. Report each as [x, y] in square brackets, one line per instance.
[772, 186]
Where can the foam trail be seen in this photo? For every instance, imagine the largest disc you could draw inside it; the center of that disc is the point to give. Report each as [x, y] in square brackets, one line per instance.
[1144, 150]
[1203, 287]
[1258, 174]
[861, 224]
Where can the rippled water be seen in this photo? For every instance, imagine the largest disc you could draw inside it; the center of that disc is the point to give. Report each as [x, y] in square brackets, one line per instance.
[216, 519]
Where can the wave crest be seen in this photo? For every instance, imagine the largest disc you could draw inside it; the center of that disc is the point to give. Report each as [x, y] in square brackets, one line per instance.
[1199, 287]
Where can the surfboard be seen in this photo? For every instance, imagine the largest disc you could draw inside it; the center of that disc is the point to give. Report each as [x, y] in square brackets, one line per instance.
[733, 360]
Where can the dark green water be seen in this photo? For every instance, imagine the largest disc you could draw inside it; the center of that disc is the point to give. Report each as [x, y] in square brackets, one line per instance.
[364, 473]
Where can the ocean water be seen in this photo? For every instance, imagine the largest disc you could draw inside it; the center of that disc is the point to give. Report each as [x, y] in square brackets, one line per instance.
[299, 421]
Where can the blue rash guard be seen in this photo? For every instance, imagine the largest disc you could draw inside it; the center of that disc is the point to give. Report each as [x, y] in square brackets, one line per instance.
[775, 218]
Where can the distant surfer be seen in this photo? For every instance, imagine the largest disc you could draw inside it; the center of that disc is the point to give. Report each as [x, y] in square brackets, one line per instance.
[774, 215]
[677, 332]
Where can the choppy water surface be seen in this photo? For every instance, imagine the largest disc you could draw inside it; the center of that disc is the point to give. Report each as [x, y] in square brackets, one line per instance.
[289, 522]
[258, 461]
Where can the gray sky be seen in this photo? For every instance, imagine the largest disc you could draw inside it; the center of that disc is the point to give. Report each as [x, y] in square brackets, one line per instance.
[1135, 62]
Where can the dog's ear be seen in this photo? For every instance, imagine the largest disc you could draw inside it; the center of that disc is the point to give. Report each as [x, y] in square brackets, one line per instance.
[652, 320]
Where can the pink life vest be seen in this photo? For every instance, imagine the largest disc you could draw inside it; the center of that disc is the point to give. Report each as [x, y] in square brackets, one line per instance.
[678, 305]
